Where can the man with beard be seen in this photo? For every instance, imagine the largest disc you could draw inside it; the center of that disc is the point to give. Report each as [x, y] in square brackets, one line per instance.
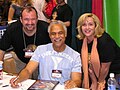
[28, 32]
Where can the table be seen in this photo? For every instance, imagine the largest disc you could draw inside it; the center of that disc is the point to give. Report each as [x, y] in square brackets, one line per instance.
[61, 87]
[26, 84]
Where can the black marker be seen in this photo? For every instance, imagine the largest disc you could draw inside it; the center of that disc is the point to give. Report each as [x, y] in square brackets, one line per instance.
[5, 86]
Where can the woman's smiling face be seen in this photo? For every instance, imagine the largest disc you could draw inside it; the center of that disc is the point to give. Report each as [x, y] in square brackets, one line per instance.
[88, 27]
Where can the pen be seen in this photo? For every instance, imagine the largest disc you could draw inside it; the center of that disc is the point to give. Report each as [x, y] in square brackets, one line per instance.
[19, 84]
[15, 79]
[5, 85]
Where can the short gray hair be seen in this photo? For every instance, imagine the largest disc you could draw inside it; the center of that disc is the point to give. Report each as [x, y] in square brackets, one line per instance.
[57, 22]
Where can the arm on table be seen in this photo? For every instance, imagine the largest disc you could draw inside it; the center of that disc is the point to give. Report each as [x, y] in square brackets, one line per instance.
[24, 74]
[75, 80]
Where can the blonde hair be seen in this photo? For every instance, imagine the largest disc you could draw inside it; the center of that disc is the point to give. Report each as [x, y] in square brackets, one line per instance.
[98, 29]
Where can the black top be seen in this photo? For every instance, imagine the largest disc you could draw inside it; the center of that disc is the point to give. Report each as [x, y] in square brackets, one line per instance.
[14, 36]
[17, 12]
[64, 12]
[107, 48]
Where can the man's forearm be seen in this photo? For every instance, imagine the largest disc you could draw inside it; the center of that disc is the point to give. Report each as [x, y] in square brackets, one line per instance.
[23, 75]
[78, 83]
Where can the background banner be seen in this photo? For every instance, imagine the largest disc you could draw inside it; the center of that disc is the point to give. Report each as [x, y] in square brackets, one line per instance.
[111, 15]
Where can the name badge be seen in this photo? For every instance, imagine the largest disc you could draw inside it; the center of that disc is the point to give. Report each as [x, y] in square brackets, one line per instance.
[28, 54]
[56, 73]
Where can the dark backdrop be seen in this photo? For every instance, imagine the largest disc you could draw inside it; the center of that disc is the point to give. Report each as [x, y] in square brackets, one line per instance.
[79, 7]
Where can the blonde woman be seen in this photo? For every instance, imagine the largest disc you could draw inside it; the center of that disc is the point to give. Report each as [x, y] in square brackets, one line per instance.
[97, 50]
[16, 7]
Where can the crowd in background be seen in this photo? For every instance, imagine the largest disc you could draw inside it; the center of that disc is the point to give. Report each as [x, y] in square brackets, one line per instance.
[10, 9]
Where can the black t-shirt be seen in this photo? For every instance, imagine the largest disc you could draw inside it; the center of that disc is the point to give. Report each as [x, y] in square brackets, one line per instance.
[64, 13]
[106, 47]
[14, 36]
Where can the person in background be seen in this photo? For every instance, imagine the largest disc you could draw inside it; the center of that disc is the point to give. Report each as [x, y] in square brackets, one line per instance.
[63, 12]
[6, 5]
[48, 7]
[24, 36]
[97, 50]
[55, 57]
[16, 7]
[39, 4]
[1, 9]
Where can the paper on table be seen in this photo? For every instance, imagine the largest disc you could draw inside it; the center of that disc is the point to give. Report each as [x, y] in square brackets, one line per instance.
[24, 85]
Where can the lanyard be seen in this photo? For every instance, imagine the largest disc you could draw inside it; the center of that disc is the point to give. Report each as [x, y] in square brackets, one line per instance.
[25, 40]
